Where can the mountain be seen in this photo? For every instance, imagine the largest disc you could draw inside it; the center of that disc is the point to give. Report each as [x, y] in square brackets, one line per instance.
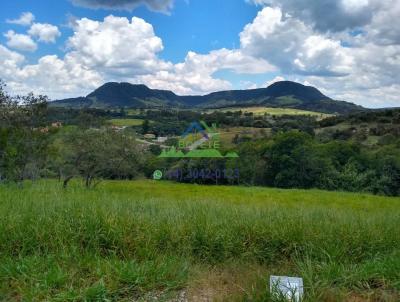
[284, 94]
[122, 95]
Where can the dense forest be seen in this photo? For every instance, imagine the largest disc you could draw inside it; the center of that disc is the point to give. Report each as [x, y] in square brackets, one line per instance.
[358, 152]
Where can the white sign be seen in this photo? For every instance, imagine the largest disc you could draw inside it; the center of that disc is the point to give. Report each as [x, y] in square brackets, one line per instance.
[290, 288]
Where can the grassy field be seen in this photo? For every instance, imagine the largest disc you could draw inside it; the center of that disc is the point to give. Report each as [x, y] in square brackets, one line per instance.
[148, 241]
[276, 111]
[126, 122]
[227, 134]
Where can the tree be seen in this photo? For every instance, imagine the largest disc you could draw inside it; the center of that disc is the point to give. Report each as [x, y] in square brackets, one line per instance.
[145, 126]
[293, 161]
[96, 154]
[122, 112]
[24, 137]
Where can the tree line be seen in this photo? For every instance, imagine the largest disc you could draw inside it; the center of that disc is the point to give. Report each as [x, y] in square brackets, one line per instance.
[32, 147]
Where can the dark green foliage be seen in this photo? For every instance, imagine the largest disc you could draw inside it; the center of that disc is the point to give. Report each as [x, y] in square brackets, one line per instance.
[94, 154]
[292, 162]
[23, 136]
[145, 126]
[386, 116]
[295, 159]
[155, 149]
[86, 117]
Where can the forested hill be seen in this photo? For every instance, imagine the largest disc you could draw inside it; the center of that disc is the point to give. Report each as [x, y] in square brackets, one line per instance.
[284, 94]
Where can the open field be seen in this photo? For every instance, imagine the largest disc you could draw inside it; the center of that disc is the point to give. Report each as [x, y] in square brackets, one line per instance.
[126, 122]
[142, 240]
[227, 134]
[275, 111]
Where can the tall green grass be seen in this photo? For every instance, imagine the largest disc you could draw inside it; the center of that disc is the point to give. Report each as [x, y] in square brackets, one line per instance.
[126, 240]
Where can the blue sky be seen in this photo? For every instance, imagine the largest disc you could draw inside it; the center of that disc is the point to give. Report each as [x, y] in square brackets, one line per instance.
[67, 49]
[190, 25]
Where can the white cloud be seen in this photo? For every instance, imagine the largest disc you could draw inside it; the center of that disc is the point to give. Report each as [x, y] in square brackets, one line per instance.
[274, 80]
[20, 41]
[10, 62]
[362, 66]
[25, 19]
[327, 15]
[352, 6]
[183, 83]
[292, 45]
[365, 71]
[119, 49]
[44, 32]
[67, 77]
[346, 89]
[195, 74]
[382, 29]
[51, 75]
[117, 46]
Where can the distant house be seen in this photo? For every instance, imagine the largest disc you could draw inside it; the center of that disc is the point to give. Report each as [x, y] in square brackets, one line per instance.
[162, 139]
[56, 125]
[116, 128]
[44, 130]
[149, 136]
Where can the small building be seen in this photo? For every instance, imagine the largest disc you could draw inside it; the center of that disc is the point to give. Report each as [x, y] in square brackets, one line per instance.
[44, 130]
[56, 125]
[149, 136]
[162, 139]
[117, 128]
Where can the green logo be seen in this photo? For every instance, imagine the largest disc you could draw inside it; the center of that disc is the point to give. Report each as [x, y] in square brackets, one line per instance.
[198, 141]
[157, 175]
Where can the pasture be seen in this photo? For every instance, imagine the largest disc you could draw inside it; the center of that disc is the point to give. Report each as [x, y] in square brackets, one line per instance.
[147, 241]
[276, 111]
[126, 122]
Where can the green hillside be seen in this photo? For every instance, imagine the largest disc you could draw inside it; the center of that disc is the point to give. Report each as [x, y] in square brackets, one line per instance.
[284, 94]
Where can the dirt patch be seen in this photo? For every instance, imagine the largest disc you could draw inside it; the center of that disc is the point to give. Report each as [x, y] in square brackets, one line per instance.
[231, 283]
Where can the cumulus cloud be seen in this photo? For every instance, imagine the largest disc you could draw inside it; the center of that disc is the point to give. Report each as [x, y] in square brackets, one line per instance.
[10, 61]
[20, 41]
[373, 81]
[51, 75]
[127, 50]
[327, 15]
[156, 5]
[361, 65]
[117, 45]
[119, 49]
[67, 77]
[195, 74]
[25, 19]
[274, 80]
[381, 29]
[44, 32]
[233, 60]
[293, 46]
